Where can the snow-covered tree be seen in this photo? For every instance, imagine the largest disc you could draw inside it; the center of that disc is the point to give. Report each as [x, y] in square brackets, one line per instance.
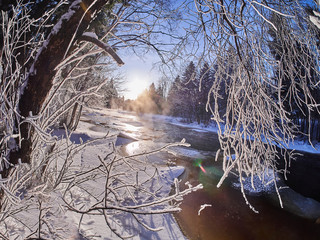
[40, 56]
[234, 38]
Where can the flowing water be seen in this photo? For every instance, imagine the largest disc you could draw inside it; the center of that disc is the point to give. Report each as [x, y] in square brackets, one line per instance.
[228, 217]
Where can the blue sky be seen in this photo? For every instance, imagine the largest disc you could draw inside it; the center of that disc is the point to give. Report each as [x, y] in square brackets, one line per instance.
[138, 72]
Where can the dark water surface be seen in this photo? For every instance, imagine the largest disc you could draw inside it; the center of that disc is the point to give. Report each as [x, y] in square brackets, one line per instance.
[229, 218]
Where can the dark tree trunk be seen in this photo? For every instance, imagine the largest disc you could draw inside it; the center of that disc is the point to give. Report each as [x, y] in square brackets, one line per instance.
[76, 122]
[70, 125]
[40, 81]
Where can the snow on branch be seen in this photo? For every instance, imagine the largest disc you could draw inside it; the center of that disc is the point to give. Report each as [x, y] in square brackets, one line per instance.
[92, 37]
[315, 19]
[263, 87]
[130, 191]
[202, 207]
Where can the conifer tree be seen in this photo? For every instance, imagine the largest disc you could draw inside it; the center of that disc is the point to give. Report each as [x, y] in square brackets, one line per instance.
[205, 83]
[189, 91]
[175, 98]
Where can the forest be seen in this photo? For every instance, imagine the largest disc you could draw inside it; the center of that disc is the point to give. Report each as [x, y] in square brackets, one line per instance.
[251, 67]
[189, 97]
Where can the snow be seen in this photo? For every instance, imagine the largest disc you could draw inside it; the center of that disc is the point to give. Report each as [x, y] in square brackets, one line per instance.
[57, 204]
[90, 34]
[265, 183]
[212, 127]
[178, 121]
[262, 184]
[202, 207]
[304, 146]
[54, 31]
[315, 19]
[187, 152]
[126, 225]
[61, 206]
[64, 17]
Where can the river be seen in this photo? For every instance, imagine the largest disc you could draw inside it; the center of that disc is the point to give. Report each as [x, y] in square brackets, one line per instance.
[228, 217]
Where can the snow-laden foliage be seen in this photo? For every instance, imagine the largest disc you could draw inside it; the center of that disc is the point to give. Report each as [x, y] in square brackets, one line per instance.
[49, 184]
[90, 182]
[13, 72]
[264, 59]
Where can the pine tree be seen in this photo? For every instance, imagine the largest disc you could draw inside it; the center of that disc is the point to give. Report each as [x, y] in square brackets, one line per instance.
[156, 98]
[189, 91]
[205, 83]
[175, 98]
[110, 94]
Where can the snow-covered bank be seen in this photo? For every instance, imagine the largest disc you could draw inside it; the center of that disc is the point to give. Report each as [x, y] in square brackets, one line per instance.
[94, 192]
[293, 201]
[296, 145]
[212, 127]
[126, 224]
[262, 184]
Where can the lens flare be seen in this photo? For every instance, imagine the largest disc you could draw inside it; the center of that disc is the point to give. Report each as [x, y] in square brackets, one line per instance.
[197, 163]
[201, 167]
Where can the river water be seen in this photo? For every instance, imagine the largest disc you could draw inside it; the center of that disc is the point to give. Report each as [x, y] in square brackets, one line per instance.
[228, 217]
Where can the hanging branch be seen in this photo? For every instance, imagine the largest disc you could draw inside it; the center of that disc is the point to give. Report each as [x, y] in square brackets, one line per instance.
[91, 37]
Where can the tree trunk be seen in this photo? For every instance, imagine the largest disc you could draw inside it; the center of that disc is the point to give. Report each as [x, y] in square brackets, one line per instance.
[42, 73]
[75, 125]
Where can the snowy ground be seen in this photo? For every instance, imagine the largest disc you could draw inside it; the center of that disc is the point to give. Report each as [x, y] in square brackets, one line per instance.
[137, 203]
[74, 209]
[96, 226]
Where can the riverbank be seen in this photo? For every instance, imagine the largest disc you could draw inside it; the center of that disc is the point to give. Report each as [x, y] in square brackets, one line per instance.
[229, 217]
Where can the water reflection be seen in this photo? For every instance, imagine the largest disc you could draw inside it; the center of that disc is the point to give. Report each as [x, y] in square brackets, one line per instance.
[230, 218]
[131, 128]
[132, 148]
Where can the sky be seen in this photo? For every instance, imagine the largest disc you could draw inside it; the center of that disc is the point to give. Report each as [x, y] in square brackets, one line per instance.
[138, 72]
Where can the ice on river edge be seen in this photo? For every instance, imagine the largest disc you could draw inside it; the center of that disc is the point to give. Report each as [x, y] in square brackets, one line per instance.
[293, 201]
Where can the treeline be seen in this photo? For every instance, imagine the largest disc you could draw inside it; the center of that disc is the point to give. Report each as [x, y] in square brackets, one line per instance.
[151, 100]
[186, 97]
[190, 96]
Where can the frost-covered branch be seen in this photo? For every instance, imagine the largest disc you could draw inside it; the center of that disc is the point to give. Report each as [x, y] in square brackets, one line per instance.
[123, 198]
[49, 67]
[94, 39]
[263, 89]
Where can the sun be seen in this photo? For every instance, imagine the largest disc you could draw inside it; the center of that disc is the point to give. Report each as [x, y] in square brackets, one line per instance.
[137, 82]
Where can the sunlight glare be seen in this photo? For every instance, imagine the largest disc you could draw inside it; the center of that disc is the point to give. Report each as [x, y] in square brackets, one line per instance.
[130, 128]
[132, 148]
[137, 83]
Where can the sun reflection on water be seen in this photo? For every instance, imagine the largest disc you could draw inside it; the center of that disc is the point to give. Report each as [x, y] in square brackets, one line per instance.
[130, 128]
[132, 148]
